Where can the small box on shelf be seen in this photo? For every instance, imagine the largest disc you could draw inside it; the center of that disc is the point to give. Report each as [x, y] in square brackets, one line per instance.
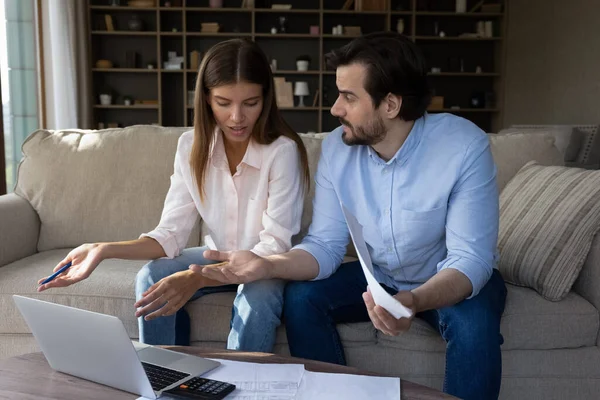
[437, 103]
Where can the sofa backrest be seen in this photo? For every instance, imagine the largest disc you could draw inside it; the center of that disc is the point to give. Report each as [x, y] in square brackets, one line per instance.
[579, 144]
[512, 151]
[92, 186]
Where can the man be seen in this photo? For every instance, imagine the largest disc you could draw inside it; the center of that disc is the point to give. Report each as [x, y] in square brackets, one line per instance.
[424, 189]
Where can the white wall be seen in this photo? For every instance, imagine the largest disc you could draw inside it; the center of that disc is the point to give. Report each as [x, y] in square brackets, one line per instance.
[553, 62]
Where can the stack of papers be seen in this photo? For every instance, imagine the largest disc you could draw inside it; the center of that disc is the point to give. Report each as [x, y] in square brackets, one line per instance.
[323, 386]
[291, 382]
[259, 381]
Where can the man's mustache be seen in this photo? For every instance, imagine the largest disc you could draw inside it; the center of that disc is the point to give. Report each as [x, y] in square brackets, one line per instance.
[348, 124]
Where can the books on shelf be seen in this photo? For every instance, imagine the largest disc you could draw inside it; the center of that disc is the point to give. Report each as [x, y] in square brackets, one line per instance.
[352, 30]
[284, 94]
[109, 23]
[209, 27]
[370, 5]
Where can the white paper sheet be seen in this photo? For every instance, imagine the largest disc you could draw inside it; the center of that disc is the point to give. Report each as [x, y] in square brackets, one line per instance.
[256, 381]
[259, 381]
[380, 296]
[325, 386]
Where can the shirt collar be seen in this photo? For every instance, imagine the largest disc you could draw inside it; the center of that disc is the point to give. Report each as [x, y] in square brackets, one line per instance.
[410, 144]
[252, 157]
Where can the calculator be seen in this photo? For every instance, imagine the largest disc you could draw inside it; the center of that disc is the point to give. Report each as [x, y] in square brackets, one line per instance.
[201, 389]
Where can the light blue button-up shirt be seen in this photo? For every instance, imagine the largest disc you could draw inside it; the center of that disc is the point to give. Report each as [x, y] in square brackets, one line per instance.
[434, 205]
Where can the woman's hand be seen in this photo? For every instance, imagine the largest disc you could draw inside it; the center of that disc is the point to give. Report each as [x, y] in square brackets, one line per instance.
[168, 295]
[84, 260]
[240, 266]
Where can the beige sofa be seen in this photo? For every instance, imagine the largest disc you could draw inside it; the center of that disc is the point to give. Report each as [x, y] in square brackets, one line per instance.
[86, 186]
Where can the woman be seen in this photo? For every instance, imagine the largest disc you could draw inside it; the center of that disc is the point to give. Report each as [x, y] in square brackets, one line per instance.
[245, 172]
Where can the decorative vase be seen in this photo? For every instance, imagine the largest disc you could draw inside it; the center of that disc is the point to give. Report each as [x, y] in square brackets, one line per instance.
[135, 23]
[302, 65]
[216, 3]
[105, 99]
[400, 26]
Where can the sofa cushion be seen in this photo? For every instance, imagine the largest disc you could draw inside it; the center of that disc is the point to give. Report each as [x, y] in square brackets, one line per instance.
[548, 219]
[94, 186]
[512, 151]
[109, 290]
[529, 322]
[312, 142]
[567, 139]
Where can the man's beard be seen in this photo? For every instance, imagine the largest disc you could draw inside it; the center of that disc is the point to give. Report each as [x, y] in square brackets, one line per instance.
[368, 135]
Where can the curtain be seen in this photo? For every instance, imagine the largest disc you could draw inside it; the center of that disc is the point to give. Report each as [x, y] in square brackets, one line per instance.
[2, 150]
[66, 68]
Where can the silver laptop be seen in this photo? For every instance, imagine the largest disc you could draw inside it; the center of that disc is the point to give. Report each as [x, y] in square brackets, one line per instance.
[96, 347]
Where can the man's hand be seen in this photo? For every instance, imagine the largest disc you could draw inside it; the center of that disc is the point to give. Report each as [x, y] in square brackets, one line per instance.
[383, 320]
[241, 266]
[168, 295]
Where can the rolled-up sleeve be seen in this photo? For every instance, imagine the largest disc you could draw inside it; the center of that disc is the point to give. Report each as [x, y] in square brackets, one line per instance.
[179, 211]
[328, 233]
[281, 220]
[472, 220]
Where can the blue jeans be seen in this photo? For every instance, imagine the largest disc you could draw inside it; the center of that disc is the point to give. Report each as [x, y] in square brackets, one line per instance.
[256, 309]
[470, 328]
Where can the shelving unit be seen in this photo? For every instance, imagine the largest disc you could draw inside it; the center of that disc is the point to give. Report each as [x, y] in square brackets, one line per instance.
[177, 28]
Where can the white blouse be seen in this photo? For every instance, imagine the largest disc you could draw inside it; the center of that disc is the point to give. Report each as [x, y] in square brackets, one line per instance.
[258, 208]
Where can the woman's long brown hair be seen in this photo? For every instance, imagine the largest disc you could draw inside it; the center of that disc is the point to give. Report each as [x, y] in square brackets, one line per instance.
[233, 61]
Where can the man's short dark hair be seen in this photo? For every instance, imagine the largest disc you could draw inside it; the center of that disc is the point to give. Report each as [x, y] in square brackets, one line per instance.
[394, 65]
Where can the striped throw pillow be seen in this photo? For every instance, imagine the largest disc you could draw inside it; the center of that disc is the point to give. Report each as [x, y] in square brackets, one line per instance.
[548, 219]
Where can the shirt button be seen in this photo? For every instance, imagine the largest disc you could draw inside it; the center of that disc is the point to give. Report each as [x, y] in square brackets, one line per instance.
[387, 212]
[390, 249]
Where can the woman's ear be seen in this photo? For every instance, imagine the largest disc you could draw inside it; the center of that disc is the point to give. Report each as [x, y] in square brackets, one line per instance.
[392, 105]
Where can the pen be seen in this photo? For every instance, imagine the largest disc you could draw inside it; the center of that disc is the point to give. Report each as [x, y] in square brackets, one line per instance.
[57, 273]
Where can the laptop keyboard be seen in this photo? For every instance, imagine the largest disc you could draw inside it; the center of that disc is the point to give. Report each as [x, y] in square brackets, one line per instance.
[161, 377]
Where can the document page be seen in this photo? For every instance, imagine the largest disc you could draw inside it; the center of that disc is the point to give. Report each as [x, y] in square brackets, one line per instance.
[380, 296]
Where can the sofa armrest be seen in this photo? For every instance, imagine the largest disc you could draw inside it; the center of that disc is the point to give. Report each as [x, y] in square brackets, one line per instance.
[588, 282]
[20, 229]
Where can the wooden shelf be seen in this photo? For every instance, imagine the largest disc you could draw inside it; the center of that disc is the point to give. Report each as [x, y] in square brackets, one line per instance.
[456, 38]
[219, 34]
[171, 87]
[290, 11]
[454, 14]
[123, 8]
[126, 70]
[286, 35]
[219, 10]
[330, 36]
[123, 107]
[465, 74]
[351, 12]
[124, 33]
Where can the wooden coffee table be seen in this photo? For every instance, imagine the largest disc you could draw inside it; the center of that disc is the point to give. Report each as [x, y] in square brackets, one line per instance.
[29, 377]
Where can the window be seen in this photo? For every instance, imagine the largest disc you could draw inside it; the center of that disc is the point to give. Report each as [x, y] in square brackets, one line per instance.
[18, 74]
